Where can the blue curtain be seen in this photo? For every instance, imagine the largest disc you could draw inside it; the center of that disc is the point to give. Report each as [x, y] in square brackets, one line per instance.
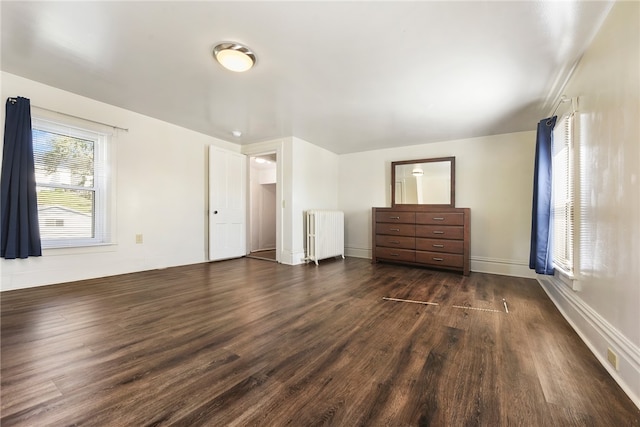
[19, 229]
[541, 255]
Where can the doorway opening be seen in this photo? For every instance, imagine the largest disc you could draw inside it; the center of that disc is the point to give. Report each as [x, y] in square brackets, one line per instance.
[263, 206]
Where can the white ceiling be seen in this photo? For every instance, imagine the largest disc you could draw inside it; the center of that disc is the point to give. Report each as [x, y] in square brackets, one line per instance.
[347, 76]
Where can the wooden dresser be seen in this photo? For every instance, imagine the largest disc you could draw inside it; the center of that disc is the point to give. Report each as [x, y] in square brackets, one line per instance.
[436, 237]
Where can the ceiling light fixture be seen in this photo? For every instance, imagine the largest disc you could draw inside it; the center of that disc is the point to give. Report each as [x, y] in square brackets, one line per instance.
[236, 133]
[417, 171]
[234, 56]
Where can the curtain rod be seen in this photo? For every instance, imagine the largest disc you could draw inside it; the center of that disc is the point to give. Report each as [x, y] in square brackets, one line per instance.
[82, 118]
[562, 100]
[13, 101]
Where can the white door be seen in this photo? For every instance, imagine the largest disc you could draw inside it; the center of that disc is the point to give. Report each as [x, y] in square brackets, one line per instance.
[227, 204]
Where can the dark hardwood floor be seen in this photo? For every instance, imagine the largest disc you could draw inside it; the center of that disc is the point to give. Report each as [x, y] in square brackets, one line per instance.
[267, 255]
[252, 343]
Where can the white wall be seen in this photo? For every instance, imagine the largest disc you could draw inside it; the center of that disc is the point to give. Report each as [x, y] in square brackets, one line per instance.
[161, 193]
[283, 188]
[493, 178]
[263, 208]
[605, 311]
[308, 179]
[314, 185]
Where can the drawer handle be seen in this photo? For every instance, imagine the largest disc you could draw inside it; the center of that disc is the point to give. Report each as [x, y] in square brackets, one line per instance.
[394, 217]
[438, 246]
[438, 219]
[394, 229]
[438, 232]
[395, 254]
[395, 242]
[438, 259]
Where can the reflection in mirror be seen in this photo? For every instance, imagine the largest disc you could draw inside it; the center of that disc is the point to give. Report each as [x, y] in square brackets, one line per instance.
[424, 182]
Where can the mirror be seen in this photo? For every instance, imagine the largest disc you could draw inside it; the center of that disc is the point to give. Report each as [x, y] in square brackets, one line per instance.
[423, 182]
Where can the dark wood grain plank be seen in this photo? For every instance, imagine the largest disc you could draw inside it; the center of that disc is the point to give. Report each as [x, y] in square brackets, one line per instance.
[253, 343]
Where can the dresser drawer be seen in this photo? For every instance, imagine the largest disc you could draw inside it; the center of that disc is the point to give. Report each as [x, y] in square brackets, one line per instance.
[426, 236]
[440, 231]
[395, 216]
[444, 218]
[396, 229]
[438, 258]
[393, 254]
[440, 245]
[396, 241]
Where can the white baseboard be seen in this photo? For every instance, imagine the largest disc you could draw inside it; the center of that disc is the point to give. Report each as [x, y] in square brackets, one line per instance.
[292, 258]
[504, 267]
[357, 252]
[598, 335]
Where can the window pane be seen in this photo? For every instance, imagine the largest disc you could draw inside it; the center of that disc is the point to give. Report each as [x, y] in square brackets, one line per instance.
[64, 213]
[563, 194]
[70, 166]
[62, 159]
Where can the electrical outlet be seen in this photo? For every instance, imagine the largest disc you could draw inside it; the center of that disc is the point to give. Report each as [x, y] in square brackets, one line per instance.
[612, 358]
[138, 238]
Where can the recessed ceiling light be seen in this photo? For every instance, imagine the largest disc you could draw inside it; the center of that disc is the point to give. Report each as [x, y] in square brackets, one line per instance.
[234, 56]
[236, 133]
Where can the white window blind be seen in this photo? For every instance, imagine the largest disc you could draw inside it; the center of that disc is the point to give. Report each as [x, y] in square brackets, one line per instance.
[563, 194]
[71, 184]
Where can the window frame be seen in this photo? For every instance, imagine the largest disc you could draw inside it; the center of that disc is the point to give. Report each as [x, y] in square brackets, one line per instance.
[564, 133]
[102, 187]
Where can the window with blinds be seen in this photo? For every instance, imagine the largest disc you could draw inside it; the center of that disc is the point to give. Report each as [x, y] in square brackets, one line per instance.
[563, 194]
[70, 184]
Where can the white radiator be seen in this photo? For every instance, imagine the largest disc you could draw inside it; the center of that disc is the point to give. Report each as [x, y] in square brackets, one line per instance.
[325, 234]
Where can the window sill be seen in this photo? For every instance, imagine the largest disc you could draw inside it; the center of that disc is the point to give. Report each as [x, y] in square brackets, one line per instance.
[87, 249]
[567, 278]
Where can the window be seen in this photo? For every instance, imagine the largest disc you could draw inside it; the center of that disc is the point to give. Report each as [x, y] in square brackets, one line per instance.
[71, 184]
[562, 208]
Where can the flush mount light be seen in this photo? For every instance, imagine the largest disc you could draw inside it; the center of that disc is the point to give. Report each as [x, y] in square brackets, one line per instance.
[417, 172]
[236, 133]
[234, 56]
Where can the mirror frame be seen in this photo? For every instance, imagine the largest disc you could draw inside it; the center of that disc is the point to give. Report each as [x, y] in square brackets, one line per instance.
[452, 160]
